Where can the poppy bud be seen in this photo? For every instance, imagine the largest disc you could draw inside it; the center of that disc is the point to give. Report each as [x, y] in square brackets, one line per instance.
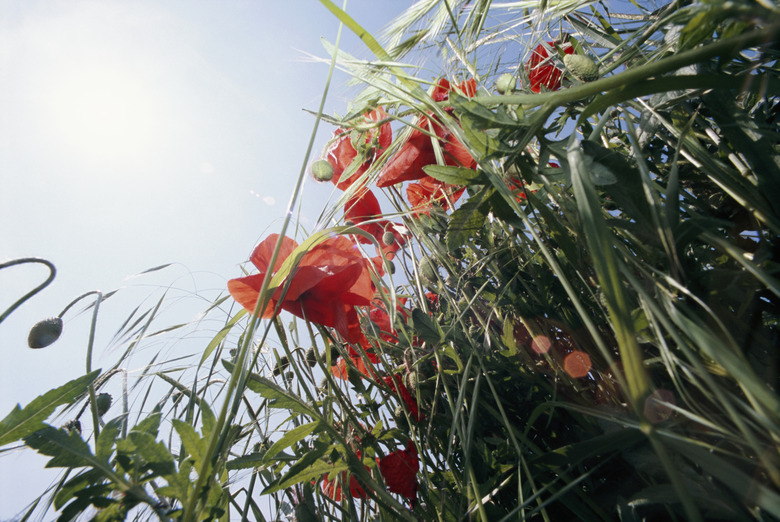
[45, 332]
[103, 403]
[506, 83]
[581, 67]
[427, 270]
[322, 170]
[388, 238]
[391, 267]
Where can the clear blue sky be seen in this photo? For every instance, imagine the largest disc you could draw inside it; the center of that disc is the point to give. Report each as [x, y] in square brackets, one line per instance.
[134, 134]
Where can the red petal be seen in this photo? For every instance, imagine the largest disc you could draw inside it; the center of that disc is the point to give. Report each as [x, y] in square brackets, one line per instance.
[399, 469]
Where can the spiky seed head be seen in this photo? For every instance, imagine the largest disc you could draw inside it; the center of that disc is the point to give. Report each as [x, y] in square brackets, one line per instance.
[103, 403]
[311, 357]
[45, 332]
[581, 67]
[506, 83]
[322, 170]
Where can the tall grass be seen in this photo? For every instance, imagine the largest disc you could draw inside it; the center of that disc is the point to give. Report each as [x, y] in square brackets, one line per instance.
[588, 332]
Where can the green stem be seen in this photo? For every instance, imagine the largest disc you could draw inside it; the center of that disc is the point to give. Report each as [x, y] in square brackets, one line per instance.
[28, 295]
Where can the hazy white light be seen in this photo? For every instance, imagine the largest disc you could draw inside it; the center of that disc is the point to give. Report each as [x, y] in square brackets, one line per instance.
[103, 113]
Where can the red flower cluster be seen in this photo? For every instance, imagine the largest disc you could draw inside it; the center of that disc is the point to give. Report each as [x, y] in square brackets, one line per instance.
[342, 152]
[541, 71]
[399, 470]
[396, 385]
[419, 151]
[330, 280]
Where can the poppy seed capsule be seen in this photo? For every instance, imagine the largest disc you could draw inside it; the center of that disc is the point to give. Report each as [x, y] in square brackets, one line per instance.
[45, 332]
[311, 357]
[322, 170]
[103, 403]
[581, 67]
[506, 83]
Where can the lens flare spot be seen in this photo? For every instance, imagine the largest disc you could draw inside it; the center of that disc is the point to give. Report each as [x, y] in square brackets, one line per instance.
[659, 405]
[541, 344]
[577, 364]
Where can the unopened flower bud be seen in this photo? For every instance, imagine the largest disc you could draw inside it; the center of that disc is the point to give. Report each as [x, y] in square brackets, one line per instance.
[322, 170]
[311, 357]
[45, 332]
[103, 403]
[388, 238]
[506, 83]
[581, 67]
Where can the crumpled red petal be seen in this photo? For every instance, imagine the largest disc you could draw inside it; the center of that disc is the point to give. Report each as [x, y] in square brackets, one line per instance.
[399, 469]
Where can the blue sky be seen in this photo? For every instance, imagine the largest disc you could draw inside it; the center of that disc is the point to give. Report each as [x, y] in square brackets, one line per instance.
[138, 134]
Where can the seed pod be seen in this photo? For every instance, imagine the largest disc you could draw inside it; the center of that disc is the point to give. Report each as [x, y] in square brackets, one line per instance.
[45, 332]
[427, 270]
[311, 357]
[581, 67]
[103, 403]
[283, 363]
[506, 83]
[322, 170]
[388, 238]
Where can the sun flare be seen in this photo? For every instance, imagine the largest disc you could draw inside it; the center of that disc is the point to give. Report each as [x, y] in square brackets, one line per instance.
[103, 113]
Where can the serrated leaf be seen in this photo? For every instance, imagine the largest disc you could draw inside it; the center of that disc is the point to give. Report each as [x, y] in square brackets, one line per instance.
[456, 175]
[291, 437]
[467, 220]
[107, 438]
[252, 460]
[22, 422]
[155, 455]
[308, 468]
[190, 440]
[277, 396]
[425, 328]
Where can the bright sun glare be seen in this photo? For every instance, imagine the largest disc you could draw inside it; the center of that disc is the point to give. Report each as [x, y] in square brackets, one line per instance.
[102, 113]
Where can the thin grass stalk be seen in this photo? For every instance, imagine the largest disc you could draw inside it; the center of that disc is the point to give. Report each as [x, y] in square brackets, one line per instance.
[238, 377]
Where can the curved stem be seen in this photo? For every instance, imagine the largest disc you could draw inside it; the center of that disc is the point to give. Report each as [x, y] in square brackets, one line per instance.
[28, 295]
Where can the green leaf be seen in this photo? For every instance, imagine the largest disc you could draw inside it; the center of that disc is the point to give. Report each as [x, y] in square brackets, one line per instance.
[291, 437]
[23, 422]
[190, 441]
[425, 328]
[277, 397]
[221, 335]
[467, 220]
[154, 454]
[107, 438]
[306, 469]
[456, 175]
[508, 338]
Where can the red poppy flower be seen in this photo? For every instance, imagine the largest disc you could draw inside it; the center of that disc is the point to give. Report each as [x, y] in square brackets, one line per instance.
[330, 280]
[341, 369]
[428, 191]
[399, 469]
[418, 151]
[396, 385]
[332, 487]
[541, 71]
[341, 152]
[363, 210]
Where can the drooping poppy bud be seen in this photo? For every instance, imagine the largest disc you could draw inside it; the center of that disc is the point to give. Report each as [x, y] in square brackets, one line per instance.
[322, 170]
[103, 403]
[45, 332]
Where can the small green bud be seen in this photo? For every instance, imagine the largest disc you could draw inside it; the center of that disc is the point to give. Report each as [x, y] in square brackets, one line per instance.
[322, 170]
[506, 83]
[581, 67]
[283, 363]
[103, 403]
[388, 238]
[45, 332]
[428, 270]
[390, 267]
